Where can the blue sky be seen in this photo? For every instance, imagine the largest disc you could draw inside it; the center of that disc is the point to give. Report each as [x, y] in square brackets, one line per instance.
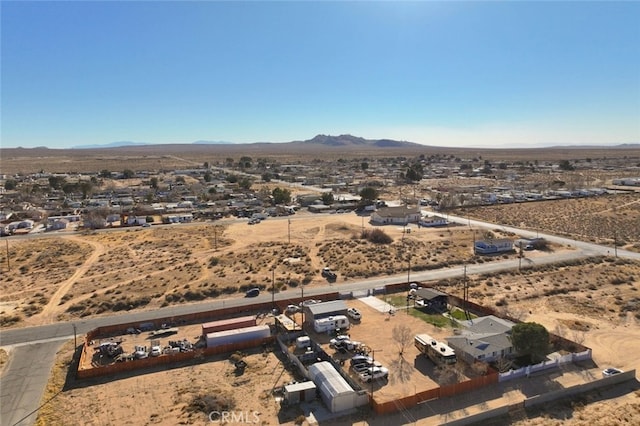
[488, 74]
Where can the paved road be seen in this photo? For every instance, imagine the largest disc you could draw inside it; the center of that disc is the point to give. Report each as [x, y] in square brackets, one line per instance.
[24, 382]
[34, 348]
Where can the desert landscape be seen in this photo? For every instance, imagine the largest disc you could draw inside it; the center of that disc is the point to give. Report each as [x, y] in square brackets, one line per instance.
[593, 301]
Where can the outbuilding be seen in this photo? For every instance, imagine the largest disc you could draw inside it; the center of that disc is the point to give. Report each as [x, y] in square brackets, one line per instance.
[324, 310]
[305, 391]
[335, 392]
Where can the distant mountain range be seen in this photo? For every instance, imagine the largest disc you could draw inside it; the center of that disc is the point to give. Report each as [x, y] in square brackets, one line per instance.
[121, 144]
[346, 141]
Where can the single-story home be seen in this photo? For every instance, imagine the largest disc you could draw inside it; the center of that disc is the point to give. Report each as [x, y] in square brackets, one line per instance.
[493, 246]
[484, 339]
[401, 215]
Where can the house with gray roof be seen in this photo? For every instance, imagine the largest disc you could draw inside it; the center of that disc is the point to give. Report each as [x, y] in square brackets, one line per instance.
[484, 339]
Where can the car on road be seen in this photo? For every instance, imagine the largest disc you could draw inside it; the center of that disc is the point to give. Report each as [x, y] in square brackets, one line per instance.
[254, 292]
[354, 314]
[309, 302]
[608, 372]
[253, 221]
[329, 274]
[146, 225]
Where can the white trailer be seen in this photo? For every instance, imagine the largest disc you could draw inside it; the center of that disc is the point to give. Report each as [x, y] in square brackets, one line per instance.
[323, 325]
[237, 335]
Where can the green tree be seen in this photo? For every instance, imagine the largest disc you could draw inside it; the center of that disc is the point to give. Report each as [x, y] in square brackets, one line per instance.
[208, 176]
[245, 162]
[327, 198]
[245, 183]
[566, 165]
[56, 182]
[364, 165]
[10, 184]
[128, 174]
[530, 338]
[369, 194]
[414, 172]
[281, 196]
[104, 173]
[153, 182]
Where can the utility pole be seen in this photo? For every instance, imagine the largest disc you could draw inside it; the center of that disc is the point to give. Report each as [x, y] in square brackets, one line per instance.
[75, 338]
[8, 264]
[289, 228]
[273, 288]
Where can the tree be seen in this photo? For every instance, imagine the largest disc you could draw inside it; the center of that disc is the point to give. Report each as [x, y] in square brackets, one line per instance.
[566, 165]
[245, 183]
[530, 338]
[403, 336]
[369, 194]
[105, 174]
[56, 182]
[327, 198]
[10, 184]
[128, 174]
[364, 165]
[153, 182]
[207, 176]
[281, 196]
[414, 172]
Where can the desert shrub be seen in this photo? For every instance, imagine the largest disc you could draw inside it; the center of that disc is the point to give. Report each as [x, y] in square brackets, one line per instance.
[376, 236]
[7, 320]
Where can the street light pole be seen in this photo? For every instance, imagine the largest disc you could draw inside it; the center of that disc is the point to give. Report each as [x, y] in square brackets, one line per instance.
[75, 338]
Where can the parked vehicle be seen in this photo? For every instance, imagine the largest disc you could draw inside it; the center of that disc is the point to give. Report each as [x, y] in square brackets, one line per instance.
[354, 314]
[292, 309]
[309, 302]
[329, 274]
[361, 359]
[374, 373]
[155, 351]
[254, 292]
[338, 340]
[331, 323]
[610, 372]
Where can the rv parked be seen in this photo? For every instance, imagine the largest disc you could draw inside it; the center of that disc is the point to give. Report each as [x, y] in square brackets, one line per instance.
[331, 323]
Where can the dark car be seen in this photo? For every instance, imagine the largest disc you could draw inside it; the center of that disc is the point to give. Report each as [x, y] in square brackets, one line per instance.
[254, 292]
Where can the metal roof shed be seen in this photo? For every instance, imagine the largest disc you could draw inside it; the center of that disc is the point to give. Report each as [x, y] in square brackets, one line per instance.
[324, 310]
[336, 393]
[305, 391]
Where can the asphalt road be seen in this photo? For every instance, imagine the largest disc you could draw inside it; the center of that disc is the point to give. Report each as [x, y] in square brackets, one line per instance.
[33, 349]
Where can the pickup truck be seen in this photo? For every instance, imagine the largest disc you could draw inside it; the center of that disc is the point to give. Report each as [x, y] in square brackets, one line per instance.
[329, 274]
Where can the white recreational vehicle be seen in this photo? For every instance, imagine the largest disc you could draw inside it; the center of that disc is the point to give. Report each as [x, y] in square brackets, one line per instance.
[331, 323]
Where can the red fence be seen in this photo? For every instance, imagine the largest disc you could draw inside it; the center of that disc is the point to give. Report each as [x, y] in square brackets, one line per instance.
[388, 407]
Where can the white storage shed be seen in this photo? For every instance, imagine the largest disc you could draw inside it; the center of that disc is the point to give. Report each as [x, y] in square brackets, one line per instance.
[335, 392]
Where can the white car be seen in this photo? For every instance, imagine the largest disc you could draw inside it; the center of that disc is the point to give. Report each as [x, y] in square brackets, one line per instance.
[374, 373]
[338, 340]
[155, 351]
[610, 372]
[354, 314]
[292, 309]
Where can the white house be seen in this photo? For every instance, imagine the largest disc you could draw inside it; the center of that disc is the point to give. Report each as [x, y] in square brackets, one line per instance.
[395, 216]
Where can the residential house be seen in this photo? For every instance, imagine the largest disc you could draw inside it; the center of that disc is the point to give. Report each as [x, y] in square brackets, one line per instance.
[493, 246]
[485, 339]
[401, 215]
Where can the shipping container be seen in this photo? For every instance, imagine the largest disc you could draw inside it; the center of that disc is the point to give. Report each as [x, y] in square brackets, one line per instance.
[237, 335]
[228, 324]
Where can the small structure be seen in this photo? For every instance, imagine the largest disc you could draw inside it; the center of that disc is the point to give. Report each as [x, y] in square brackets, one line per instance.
[431, 299]
[237, 335]
[305, 391]
[324, 310]
[493, 246]
[335, 392]
[228, 324]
